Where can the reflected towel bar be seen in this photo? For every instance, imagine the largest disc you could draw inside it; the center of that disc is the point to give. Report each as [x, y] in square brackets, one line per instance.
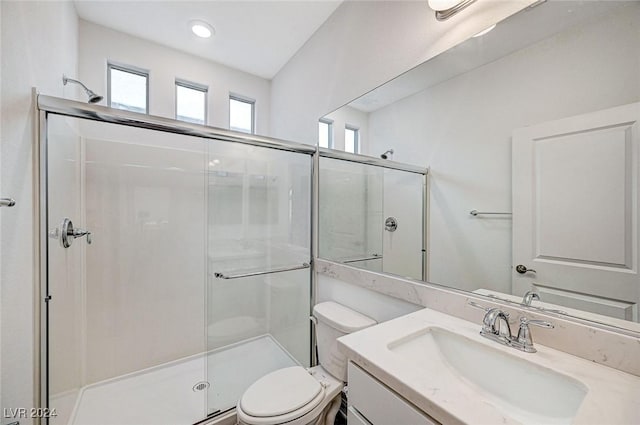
[477, 213]
[355, 260]
[250, 274]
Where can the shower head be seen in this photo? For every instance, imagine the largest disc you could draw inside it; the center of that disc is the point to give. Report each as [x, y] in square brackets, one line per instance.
[386, 154]
[93, 97]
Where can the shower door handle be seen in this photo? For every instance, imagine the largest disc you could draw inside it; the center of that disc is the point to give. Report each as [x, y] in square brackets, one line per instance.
[68, 233]
[7, 202]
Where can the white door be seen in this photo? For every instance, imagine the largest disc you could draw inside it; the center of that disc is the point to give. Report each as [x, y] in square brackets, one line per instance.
[575, 211]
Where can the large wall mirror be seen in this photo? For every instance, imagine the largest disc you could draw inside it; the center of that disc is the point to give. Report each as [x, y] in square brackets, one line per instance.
[530, 133]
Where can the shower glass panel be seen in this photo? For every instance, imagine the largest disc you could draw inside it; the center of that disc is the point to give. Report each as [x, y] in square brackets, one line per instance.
[404, 201]
[139, 330]
[127, 311]
[259, 202]
[351, 219]
[357, 201]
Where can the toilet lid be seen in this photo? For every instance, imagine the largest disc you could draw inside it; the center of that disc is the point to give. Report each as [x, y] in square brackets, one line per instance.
[281, 392]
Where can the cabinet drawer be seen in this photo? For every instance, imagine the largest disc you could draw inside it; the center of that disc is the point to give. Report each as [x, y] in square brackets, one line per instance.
[378, 404]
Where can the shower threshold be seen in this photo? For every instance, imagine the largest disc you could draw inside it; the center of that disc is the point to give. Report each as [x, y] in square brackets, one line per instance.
[183, 391]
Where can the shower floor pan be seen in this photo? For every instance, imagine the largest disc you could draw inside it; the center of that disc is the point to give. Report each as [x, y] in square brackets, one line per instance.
[169, 394]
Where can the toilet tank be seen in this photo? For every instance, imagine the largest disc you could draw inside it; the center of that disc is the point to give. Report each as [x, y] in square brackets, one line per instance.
[333, 321]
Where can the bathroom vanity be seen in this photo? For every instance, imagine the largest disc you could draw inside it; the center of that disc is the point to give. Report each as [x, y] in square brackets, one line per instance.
[428, 367]
[372, 402]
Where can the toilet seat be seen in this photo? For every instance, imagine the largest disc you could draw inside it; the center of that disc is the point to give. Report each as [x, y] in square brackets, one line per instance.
[270, 396]
[281, 392]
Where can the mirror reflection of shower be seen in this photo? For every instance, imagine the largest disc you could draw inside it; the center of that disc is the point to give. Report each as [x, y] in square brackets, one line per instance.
[93, 97]
[387, 155]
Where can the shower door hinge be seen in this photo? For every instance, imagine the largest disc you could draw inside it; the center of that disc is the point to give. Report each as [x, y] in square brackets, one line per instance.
[47, 298]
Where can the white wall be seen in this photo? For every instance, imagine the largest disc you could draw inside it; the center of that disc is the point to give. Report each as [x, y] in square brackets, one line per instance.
[39, 44]
[362, 45]
[99, 44]
[462, 129]
[376, 305]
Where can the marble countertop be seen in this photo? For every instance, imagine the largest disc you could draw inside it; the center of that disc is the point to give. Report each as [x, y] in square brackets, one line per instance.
[612, 396]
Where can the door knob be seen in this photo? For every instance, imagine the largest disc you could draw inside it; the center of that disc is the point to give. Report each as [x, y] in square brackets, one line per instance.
[523, 269]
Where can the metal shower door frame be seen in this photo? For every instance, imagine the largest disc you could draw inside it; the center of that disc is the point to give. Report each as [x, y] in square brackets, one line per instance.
[46, 105]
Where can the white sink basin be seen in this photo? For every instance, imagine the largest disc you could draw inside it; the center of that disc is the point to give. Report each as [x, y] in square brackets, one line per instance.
[525, 391]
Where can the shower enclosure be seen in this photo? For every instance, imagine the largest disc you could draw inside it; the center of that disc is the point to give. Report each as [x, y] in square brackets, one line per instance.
[175, 264]
[372, 213]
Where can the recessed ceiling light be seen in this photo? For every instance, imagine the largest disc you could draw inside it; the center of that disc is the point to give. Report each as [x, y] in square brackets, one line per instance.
[483, 32]
[202, 29]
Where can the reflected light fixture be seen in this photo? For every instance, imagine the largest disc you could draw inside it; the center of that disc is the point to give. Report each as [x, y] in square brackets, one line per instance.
[447, 8]
[483, 32]
[201, 29]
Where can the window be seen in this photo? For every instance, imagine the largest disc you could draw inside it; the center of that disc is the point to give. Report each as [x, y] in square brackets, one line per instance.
[191, 102]
[128, 88]
[325, 133]
[351, 139]
[241, 114]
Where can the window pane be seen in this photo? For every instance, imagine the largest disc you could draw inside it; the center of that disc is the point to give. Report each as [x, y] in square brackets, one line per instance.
[324, 134]
[190, 104]
[241, 115]
[128, 91]
[351, 140]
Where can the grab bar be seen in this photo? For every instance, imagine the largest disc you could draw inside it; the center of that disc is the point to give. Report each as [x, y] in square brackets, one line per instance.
[7, 202]
[476, 213]
[276, 270]
[355, 260]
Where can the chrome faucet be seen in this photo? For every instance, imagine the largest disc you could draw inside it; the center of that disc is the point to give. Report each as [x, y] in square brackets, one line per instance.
[495, 326]
[529, 296]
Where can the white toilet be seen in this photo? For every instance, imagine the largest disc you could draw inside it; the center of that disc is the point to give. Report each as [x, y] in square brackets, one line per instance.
[299, 396]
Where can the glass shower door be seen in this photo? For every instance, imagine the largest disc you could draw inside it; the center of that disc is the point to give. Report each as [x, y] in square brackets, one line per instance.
[259, 279]
[350, 218]
[127, 308]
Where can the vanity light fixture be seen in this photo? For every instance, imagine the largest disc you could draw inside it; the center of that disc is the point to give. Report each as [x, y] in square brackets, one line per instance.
[447, 8]
[202, 29]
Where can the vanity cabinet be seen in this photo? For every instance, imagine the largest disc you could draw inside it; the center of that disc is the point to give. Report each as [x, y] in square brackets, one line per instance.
[372, 403]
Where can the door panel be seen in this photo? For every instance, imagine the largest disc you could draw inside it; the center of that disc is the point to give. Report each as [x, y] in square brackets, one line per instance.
[575, 211]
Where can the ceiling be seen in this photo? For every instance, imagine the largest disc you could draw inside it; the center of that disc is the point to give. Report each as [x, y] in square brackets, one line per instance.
[258, 37]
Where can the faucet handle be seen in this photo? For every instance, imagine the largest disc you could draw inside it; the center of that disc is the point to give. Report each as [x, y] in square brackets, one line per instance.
[526, 322]
[524, 341]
